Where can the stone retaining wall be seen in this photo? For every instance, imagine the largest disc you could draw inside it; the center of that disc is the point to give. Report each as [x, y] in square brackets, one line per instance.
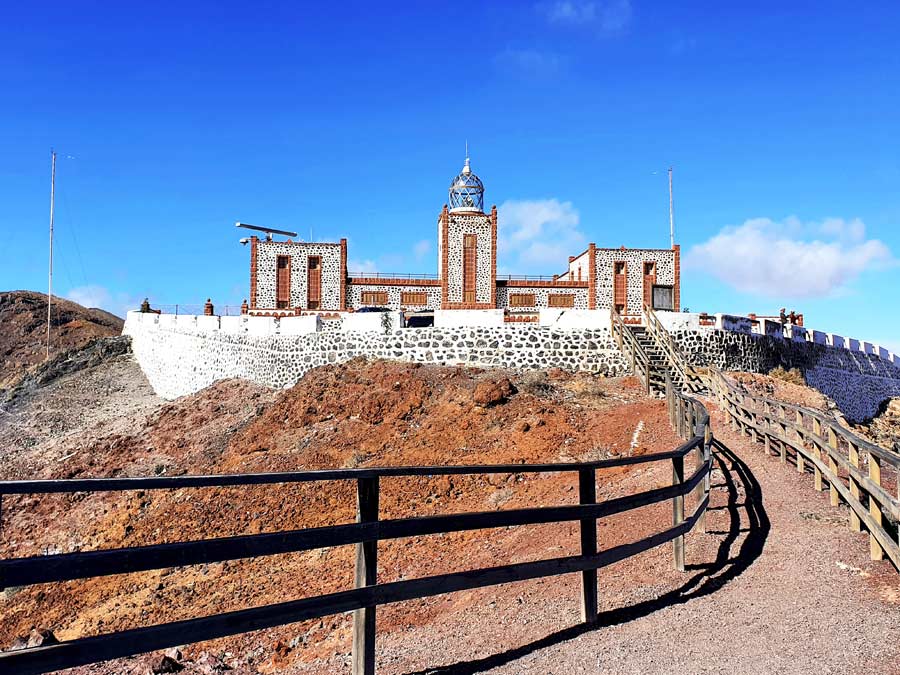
[180, 359]
[857, 381]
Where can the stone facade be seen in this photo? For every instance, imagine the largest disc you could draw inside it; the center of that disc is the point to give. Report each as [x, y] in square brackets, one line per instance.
[454, 228]
[541, 295]
[665, 261]
[395, 293]
[298, 253]
[182, 358]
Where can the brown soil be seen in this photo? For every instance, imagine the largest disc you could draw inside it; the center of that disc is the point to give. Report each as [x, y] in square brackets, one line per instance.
[23, 330]
[783, 390]
[779, 583]
[354, 414]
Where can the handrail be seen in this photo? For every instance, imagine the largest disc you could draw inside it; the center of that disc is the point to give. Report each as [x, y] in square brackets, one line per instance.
[672, 350]
[688, 416]
[628, 345]
[835, 453]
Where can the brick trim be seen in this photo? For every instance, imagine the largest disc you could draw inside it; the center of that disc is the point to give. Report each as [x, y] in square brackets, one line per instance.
[494, 255]
[677, 285]
[343, 301]
[467, 305]
[525, 283]
[253, 242]
[444, 220]
[592, 276]
[384, 281]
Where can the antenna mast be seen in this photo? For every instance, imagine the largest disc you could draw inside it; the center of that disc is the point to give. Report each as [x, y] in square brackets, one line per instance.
[50, 272]
[671, 212]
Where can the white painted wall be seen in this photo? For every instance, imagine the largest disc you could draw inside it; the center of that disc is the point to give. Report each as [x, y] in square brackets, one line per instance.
[455, 318]
[573, 318]
[368, 322]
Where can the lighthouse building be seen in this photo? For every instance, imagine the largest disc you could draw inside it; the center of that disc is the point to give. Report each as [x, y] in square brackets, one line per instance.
[292, 277]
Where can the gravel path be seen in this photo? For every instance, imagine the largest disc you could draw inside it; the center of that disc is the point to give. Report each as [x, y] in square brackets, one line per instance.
[779, 584]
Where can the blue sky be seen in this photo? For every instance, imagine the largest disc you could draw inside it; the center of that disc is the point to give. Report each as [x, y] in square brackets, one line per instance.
[173, 121]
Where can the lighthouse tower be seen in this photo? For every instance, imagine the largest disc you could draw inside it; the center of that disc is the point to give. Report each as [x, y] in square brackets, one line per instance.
[467, 246]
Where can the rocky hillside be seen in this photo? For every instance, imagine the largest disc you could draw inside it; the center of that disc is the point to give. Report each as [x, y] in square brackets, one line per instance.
[23, 330]
[104, 421]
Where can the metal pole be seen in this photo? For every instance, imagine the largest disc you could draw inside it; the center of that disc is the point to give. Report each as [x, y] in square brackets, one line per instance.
[671, 212]
[50, 272]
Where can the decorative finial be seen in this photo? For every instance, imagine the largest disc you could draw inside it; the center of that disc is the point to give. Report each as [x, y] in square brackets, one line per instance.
[467, 169]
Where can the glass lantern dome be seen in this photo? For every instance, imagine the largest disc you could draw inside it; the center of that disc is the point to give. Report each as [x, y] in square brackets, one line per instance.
[466, 192]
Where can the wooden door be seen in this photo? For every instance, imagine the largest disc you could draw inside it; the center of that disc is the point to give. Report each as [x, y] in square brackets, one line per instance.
[283, 282]
[649, 282]
[470, 267]
[620, 287]
[313, 282]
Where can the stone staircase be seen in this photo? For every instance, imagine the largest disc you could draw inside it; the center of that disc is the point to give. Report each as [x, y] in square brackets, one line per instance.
[659, 365]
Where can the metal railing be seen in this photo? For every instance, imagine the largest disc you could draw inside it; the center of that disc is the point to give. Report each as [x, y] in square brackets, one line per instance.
[851, 466]
[687, 415]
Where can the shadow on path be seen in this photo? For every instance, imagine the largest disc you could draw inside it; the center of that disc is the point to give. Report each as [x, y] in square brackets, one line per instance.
[709, 578]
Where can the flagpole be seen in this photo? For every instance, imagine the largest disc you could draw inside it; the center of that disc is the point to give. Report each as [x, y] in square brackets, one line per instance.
[50, 270]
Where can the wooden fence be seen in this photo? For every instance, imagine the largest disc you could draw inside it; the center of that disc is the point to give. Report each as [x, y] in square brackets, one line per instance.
[850, 465]
[687, 415]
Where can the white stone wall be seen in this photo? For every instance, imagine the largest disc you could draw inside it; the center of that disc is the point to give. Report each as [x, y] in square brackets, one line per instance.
[635, 259]
[179, 359]
[355, 291]
[541, 293]
[267, 253]
[460, 225]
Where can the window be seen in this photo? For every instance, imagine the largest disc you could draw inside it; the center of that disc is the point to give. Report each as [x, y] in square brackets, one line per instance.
[649, 269]
[561, 300]
[313, 282]
[374, 297]
[412, 298]
[282, 281]
[521, 300]
[470, 266]
[620, 286]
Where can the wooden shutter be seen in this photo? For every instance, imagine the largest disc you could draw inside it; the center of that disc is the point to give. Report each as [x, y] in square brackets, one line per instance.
[620, 286]
[313, 282]
[376, 298]
[470, 267]
[649, 281]
[283, 282]
[561, 300]
[521, 300]
[413, 298]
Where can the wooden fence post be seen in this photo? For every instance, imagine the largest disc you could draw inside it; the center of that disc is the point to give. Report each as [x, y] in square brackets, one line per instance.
[702, 489]
[817, 473]
[875, 550]
[678, 512]
[363, 655]
[801, 463]
[833, 467]
[587, 494]
[853, 452]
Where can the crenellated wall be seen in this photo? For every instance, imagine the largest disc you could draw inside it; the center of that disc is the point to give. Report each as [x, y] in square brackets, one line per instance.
[857, 380]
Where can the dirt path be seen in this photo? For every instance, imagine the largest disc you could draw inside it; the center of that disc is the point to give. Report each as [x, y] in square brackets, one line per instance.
[779, 584]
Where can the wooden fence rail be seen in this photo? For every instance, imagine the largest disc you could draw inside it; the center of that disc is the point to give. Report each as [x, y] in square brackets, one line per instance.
[850, 465]
[687, 415]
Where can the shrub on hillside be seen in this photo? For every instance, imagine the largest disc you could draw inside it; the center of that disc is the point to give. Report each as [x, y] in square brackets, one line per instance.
[794, 375]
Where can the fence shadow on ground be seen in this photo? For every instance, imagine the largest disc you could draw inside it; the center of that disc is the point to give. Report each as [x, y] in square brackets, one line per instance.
[747, 516]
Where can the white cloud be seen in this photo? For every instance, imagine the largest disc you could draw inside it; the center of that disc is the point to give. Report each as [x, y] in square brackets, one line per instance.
[422, 248]
[361, 266]
[92, 296]
[610, 16]
[790, 258]
[538, 236]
